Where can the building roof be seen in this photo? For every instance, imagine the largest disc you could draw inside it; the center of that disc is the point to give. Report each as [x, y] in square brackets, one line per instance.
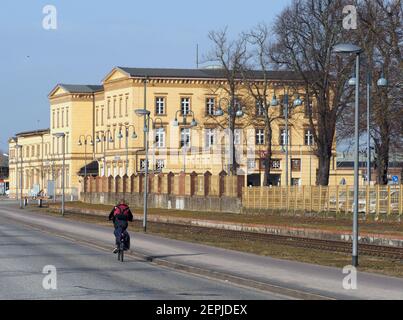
[33, 132]
[81, 88]
[205, 73]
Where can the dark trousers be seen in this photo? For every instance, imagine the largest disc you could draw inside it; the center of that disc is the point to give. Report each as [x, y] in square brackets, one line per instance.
[118, 231]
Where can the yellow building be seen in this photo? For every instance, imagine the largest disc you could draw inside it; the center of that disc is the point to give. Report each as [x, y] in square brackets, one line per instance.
[100, 125]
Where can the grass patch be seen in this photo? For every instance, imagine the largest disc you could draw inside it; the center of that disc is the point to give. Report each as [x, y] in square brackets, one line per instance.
[325, 223]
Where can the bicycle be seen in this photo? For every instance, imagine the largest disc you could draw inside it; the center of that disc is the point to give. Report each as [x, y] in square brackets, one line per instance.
[121, 247]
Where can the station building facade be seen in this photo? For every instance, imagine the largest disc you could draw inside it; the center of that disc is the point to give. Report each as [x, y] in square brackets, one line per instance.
[101, 128]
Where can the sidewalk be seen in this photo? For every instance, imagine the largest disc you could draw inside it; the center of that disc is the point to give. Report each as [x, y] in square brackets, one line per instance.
[292, 278]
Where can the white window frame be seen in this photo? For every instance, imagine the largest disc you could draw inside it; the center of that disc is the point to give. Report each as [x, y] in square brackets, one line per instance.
[211, 138]
[160, 105]
[210, 106]
[260, 139]
[185, 134]
[185, 106]
[160, 137]
[308, 137]
[283, 135]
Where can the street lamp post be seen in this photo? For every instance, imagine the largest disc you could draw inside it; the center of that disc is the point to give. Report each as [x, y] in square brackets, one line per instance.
[63, 136]
[146, 114]
[91, 141]
[184, 123]
[105, 135]
[382, 82]
[350, 48]
[19, 147]
[134, 136]
[231, 114]
[297, 103]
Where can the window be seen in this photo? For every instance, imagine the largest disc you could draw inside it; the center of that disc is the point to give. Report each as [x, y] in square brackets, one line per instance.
[295, 181]
[160, 138]
[185, 106]
[143, 164]
[160, 164]
[283, 137]
[260, 136]
[109, 109]
[114, 108]
[120, 107]
[127, 106]
[102, 116]
[160, 105]
[62, 118]
[259, 109]
[308, 109]
[53, 119]
[38, 150]
[296, 164]
[185, 137]
[97, 116]
[308, 137]
[251, 164]
[238, 136]
[58, 119]
[67, 117]
[276, 164]
[210, 138]
[210, 106]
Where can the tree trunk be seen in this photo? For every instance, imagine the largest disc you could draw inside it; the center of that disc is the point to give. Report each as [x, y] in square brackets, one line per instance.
[322, 177]
[382, 164]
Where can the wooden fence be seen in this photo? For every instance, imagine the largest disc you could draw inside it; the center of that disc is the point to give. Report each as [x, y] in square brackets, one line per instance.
[193, 184]
[339, 199]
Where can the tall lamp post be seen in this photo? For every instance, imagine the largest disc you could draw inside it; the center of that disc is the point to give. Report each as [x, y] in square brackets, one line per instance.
[185, 123]
[346, 48]
[297, 103]
[63, 136]
[121, 136]
[19, 148]
[105, 136]
[146, 114]
[232, 112]
[87, 139]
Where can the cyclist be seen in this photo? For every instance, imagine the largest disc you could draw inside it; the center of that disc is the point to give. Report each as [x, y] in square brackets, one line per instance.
[121, 215]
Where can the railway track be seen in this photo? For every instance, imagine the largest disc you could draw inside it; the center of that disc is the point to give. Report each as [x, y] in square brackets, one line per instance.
[326, 245]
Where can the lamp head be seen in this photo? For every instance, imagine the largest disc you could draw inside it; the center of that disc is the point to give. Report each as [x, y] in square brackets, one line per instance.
[347, 48]
[298, 102]
[175, 123]
[134, 135]
[274, 101]
[382, 82]
[239, 113]
[219, 112]
[352, 82]
[193, 123]
[142, 112]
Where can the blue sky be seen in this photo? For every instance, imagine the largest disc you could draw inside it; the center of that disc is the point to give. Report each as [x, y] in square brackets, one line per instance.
[94, 36]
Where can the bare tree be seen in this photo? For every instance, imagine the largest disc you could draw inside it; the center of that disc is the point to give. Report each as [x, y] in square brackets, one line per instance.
[258, 87]
[305, 33]
[380, 35]
[229, 56]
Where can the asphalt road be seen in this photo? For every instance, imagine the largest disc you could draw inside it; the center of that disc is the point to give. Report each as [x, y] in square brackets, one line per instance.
[84, 272]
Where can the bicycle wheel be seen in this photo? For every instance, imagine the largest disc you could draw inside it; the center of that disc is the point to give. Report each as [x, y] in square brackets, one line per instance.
[121, 250]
